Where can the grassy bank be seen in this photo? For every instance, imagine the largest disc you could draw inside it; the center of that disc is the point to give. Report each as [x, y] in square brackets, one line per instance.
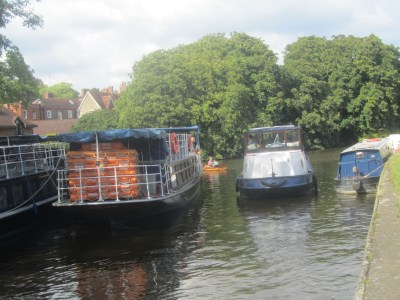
[394, 165]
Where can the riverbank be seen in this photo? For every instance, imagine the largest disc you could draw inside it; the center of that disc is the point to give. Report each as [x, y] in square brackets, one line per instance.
[380, 274]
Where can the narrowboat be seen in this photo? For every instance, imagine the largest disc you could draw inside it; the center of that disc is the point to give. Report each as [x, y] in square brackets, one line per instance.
[129, 174]
[275, 164]
[360, 166]
[28, 179]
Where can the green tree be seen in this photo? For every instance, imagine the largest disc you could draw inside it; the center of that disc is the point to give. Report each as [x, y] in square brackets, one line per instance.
[16, 9]
[221, 84]
[61, 90]
[97, 120]
[17, 82]
[342, 88]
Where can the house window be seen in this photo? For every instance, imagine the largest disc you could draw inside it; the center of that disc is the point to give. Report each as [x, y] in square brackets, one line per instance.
[48, 112]
[19, 127]
[34, 115]
[25, 114]
[69, 114]
[59, 115]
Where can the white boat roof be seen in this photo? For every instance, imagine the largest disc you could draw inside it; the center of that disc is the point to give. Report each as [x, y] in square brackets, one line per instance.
[273, 128]
[368, 144]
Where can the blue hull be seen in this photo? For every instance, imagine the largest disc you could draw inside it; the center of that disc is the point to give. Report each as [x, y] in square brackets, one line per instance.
[277, 187]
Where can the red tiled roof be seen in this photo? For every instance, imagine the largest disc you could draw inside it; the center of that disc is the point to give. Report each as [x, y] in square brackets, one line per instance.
[54, 126]
[104, 100]
[57, 103]
[7, 119]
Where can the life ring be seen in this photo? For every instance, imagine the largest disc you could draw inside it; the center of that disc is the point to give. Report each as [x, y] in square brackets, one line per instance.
[373, 140]
[174, 143]
[189, 140]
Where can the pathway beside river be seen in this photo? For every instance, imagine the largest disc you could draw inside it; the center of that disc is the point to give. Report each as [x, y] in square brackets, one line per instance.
[380, 275]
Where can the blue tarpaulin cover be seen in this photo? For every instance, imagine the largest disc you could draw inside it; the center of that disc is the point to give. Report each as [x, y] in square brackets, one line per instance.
[109, 135]
[149, 142]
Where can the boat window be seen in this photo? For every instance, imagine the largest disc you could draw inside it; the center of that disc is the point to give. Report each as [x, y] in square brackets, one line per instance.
[293, 139]
[360, 154]
[274, 139]
[252, 141]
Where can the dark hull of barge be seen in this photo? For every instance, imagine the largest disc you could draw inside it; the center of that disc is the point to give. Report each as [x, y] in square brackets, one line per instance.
[132, 210]
[18, 214]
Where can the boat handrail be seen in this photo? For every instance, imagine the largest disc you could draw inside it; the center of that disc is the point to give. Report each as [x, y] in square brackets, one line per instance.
[19, 160]
[139, 181]
[184, 147]
[43, 184]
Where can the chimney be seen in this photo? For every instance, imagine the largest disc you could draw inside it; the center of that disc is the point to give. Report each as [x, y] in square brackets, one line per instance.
[83, 92]
[48, 95]
[108, 90]
[122, 87]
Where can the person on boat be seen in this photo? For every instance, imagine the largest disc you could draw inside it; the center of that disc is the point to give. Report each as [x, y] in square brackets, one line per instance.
[193, 144]
[212, 162]
[252, 143]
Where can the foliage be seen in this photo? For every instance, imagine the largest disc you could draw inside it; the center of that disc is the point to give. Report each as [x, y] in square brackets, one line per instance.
[343, 88]
[17, 82]
[221, 84]
[337, 90]
[61, 90]
[16, 9]
[97, 120]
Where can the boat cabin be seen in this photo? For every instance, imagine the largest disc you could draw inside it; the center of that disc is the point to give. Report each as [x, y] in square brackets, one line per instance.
[364, 159]
[277, 138]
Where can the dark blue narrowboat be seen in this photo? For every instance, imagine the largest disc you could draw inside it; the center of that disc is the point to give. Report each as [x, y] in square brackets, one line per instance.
[360, 166]
[275, 164]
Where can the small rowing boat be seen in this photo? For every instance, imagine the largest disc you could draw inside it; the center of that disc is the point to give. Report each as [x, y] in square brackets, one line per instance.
[219, 168]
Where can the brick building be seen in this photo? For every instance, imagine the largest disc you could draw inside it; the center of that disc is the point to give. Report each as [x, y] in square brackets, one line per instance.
[48, 108]
[12, 124]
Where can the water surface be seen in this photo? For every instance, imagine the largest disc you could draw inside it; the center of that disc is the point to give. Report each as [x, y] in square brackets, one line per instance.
[219, 247]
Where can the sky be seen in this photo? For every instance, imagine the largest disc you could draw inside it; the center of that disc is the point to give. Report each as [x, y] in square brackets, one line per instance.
[94, 43]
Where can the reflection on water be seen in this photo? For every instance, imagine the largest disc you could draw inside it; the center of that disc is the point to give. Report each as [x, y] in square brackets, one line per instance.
[219, 247]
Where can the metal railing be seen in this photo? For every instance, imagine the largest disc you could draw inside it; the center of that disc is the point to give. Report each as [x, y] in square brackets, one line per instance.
[116, 183]
[19, 160]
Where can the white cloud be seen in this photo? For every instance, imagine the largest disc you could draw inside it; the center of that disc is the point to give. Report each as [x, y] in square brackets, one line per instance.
[94, 43]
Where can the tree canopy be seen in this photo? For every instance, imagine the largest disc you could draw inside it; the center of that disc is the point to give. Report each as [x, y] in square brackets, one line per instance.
[221, 84]
[343, 88]
[60, 90]
[97, 120]
[17, 82]
[16, 9]
[336, 89]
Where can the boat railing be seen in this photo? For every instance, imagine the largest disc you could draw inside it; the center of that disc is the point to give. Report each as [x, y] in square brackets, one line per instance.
[179, 146]
[115, 183]
[19, 160]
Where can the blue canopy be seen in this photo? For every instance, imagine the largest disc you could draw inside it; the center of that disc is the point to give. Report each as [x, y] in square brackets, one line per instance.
[109, 135]
[149, 142]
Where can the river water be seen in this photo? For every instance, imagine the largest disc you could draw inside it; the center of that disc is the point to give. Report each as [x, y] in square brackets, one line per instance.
[219, 247]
